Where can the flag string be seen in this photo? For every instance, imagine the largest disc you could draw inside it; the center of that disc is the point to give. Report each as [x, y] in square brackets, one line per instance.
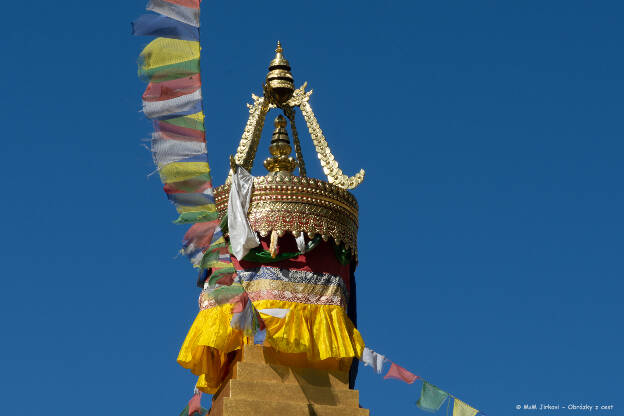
[432, 397]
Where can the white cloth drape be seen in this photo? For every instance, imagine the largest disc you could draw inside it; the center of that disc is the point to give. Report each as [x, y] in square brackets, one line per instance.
[242, 237]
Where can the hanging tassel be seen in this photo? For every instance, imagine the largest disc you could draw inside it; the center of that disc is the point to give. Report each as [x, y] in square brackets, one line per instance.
[273, 247]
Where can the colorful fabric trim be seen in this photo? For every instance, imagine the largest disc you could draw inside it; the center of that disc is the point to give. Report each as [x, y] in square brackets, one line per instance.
[300, 286]
[319, 258]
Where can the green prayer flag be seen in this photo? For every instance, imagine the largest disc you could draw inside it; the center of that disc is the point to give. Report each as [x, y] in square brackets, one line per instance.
[185, 411]
[431, 397]
[196, 216]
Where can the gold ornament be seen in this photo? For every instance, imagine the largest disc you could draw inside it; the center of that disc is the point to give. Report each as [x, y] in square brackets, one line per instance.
[282, 202]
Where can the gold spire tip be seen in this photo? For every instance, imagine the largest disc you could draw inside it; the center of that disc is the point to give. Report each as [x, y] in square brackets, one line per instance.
[280, 84]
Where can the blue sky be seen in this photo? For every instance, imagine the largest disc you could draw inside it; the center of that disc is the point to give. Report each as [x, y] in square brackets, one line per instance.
[491, 230]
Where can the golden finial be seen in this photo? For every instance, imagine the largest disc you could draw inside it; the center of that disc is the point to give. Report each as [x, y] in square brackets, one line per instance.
[280, 83]
[280, 163]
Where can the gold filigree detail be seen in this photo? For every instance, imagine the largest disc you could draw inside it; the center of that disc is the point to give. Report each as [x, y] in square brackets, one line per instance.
[248, 146]
[328, 162]
[296, 205]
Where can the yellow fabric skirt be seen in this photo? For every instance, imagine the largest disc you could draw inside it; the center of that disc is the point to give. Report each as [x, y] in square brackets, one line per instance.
[310, 335]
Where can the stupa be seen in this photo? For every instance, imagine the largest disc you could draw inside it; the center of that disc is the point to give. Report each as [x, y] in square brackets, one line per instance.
[298, 283]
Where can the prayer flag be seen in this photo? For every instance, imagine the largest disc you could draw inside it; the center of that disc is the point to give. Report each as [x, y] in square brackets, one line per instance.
[191, 122]
[166, 90]
[372, 359]
[182, 171]
[462, 409]
[166, 151]
[194, 405]
[398, 372]
[179, 106]
[184, 11]
[185, 412]
[162, 52]
[163, 26]
[431, 397]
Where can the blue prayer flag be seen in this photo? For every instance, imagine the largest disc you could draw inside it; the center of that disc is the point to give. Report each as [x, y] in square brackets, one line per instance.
[164, 27]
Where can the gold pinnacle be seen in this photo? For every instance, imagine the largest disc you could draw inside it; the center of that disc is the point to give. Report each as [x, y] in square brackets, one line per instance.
[280, 84]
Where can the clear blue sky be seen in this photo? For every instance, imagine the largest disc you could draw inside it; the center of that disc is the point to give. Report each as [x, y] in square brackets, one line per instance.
[491, 233]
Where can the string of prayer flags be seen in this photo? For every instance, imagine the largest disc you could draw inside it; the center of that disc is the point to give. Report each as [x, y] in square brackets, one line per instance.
[373, 359]
[462, 409]
[400, 373]
[431, 397]
[173, 100]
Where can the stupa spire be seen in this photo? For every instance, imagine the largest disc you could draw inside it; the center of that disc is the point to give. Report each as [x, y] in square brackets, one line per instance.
[280, 83]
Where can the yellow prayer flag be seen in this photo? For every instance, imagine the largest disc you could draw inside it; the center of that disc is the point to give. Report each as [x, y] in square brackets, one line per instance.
[165, 51]
[462, 409]
[181, 171]
[197, 117]
[196, 208]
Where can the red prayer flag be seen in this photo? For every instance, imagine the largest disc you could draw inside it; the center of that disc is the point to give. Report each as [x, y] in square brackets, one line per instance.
[194, 405]
[398, 372]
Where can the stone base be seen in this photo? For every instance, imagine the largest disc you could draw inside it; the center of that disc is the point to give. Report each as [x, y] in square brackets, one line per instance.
[261, 384]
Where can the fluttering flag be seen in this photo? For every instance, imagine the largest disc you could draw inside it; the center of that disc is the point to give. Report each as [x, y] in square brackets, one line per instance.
[245, 317]
[163, 26]
[462, 409]
[185, 412]
[194, 405]
[431, 397]
[165, 59]
[186, 11]
[400, 373]
[373, 359]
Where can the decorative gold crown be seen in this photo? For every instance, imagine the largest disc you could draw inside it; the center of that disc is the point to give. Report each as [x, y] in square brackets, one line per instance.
[280, 201]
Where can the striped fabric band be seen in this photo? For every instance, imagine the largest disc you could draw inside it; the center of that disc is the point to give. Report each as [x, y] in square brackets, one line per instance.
[301, 286]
